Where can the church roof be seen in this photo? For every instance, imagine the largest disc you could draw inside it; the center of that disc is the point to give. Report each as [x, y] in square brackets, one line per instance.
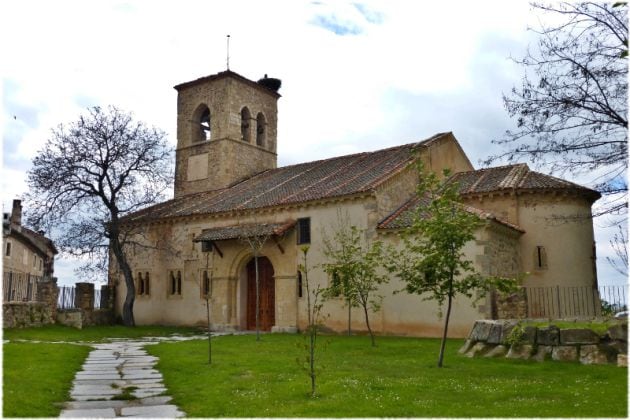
[403, 217]
[244, 231]
[514, 177]
[288, 185]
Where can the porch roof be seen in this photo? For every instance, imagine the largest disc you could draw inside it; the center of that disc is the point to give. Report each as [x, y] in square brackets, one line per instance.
[245, 231]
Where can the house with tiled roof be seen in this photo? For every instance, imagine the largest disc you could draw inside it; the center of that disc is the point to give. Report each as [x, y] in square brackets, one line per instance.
[229, 191]
[28, 257]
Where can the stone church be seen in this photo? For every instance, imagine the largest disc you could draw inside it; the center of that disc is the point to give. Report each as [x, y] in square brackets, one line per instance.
[228, 188]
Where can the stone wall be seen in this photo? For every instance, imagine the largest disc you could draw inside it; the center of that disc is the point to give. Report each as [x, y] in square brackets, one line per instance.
[84, 314]
[33, 314]
[512, 339]
[26, 314]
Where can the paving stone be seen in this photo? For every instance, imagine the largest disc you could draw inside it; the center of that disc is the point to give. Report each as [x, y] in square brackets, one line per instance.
[92, 397]
[97, 376]
[94, 412]
[85, 405]
[146, 381]
[152, 411]
[94, 390]
[148, 372]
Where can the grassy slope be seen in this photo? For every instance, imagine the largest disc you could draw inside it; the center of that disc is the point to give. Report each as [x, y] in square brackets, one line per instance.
[36, 378]
[398, 378]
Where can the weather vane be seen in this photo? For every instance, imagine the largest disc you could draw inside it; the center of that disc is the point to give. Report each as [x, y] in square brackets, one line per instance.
[228, 52]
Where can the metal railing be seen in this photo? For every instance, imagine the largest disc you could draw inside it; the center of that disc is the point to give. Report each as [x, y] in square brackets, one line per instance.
[558, 302]
[66, 298]
[19, 287]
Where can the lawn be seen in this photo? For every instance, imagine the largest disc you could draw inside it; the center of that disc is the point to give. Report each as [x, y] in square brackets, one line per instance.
[36, 378]
[399, 378]
[92, 334]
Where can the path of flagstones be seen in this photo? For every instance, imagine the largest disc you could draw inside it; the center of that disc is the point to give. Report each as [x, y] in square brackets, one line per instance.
[118, 379]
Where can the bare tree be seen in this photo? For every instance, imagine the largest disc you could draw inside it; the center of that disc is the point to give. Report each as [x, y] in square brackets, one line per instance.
[619, 244]
[89, 175]
[571, 109]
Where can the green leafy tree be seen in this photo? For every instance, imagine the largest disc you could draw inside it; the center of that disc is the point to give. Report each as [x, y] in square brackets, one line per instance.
[314, 310]
[432, 262]
[353, 264]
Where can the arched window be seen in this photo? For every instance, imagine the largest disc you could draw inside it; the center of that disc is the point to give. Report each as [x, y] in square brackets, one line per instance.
[245, 125]
[261, 129]
[204, 124]
[201, 124]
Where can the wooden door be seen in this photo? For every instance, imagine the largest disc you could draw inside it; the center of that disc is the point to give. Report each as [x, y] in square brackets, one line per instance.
[267, 293]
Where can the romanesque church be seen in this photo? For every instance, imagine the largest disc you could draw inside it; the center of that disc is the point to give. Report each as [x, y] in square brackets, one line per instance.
[228, 188]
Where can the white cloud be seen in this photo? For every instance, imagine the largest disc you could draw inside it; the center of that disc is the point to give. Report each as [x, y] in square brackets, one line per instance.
[411, 69]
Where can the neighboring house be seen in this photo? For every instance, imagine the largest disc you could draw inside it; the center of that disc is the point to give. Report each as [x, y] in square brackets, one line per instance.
[28, 256]
[227, 188]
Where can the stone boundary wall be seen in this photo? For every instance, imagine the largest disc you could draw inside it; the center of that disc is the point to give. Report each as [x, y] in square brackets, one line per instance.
[79, 318]
[32, 314]
[490, 338]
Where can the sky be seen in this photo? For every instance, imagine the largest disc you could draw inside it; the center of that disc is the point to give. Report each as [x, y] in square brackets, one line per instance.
[356, 76]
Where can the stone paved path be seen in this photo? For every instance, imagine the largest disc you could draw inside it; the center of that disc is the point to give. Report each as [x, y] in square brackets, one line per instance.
[118, 380]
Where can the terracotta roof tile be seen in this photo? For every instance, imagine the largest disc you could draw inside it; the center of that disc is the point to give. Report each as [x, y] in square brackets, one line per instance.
[404, 216]
[244, 231]
[321, 179]
[514, 177]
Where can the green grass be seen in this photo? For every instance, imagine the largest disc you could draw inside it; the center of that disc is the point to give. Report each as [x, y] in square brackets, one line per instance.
[36, 378]
[94, 334]
[399, 378]
[600, 327]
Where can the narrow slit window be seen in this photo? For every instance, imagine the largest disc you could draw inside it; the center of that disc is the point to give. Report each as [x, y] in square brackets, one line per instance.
[540, 258]
[179, 282]
[146, 283]
[205, 284]
[299, 284]
[304, 231]
[7, 252]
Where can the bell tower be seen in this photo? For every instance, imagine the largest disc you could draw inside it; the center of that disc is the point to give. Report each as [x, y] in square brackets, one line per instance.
[226, 131]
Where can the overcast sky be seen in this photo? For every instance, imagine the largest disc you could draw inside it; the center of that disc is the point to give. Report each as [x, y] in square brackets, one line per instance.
[356, 76]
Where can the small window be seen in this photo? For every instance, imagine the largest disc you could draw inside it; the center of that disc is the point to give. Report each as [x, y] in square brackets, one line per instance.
[140, 284]
[245, 123]
[146, 283]
[175, 283]
[299, 284]
[204, 123]
[34, 260]
[205, 284]
[540, 258]
[206, 246]
[40, 263]
[304, 231]
[7, 251]
[261, 127]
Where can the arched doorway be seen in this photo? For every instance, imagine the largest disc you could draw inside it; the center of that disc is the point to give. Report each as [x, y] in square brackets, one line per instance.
[267, 292]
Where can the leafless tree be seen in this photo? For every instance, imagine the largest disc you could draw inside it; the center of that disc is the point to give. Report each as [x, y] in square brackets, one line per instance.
[571, 109]
[89, 175]
[619, 244]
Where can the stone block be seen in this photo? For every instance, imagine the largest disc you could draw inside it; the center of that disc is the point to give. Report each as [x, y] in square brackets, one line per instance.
[578, 336]
[548, 336]
[479, 349]
[593, 354]
[520, 351]
[89, 413]
[494, 336]
[152, 411]
[480, 330]
[498, 351]
[564, 353]
[622, 360]
[464, 349]
[542, 353]
[529, 335]
[619, 332]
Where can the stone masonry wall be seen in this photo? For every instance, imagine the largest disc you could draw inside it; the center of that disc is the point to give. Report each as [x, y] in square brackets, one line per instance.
[512, 339]
[33, 314]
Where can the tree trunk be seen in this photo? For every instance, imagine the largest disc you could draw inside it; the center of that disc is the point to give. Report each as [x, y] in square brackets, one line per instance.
[312, 359]
[367, 323]
[349, 317]
[257, 299]
[209, 332]
[127, 309]
[448, 315]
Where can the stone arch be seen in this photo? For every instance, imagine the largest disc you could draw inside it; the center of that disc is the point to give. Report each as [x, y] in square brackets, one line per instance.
[246, 117]
[261, 129]
[201, 122]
